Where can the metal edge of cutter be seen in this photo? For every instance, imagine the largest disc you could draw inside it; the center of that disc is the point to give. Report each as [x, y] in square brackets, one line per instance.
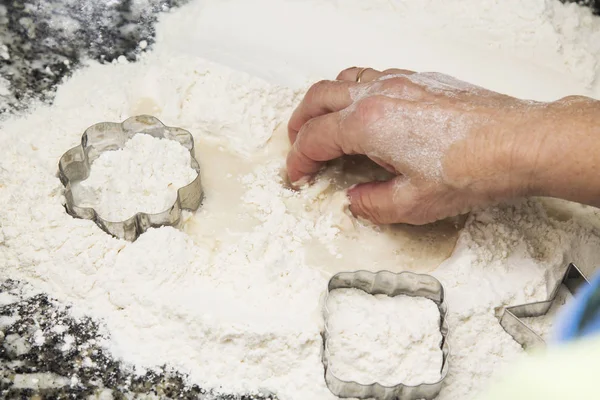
[391, 284]
[74, 166]
[511, 317]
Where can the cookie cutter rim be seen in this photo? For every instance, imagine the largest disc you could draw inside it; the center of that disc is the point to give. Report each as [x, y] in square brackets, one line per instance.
[391, 284]
[75, 166]
[521, 333]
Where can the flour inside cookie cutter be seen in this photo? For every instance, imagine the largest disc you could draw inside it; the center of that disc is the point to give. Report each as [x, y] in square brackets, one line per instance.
[391, 284]
[511, 319]
[74, 166]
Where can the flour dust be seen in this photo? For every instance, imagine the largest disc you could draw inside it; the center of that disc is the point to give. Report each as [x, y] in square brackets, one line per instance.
[233, 299]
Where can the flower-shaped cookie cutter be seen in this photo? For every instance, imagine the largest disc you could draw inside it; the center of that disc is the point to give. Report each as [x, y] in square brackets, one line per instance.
[75, 165]
[390, 284]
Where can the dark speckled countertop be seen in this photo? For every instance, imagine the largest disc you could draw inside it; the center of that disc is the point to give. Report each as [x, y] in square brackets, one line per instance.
[42, 41]
[44, 352]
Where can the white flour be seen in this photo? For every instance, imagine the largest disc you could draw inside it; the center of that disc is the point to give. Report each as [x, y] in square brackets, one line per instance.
[398, 338]
[4, 89]
[235, 299]
[143, 176]
[543, 325]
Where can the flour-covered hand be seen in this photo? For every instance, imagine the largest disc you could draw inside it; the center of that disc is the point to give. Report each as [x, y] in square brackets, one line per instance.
[453, 146]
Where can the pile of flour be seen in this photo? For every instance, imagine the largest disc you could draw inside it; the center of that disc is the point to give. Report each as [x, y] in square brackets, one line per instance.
[543, 325]
[143, 176]
[388, 340]
[234, 299]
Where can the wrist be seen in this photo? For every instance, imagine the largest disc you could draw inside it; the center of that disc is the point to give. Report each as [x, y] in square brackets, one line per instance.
[504, 156]
[558, 149]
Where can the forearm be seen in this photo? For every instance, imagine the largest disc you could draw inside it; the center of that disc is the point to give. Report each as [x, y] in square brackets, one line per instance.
[530, 149]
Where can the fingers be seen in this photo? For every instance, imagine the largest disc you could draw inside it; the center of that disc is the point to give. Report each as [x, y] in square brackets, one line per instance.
[401, 201]
[385, 202]
[369, 74]
[316, 143]
[351, 74]
[332, 135]
[331, 96]
[322, 98]
[391, 202]
[375, 201]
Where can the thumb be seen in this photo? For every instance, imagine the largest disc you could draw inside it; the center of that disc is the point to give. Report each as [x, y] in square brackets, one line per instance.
[383, 202]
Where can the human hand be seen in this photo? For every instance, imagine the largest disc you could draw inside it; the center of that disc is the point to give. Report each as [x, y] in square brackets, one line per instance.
[453, 146]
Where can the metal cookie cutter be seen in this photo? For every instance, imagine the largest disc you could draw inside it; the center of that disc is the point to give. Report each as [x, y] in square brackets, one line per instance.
[74, 166]
[391, 284]
[511, 318]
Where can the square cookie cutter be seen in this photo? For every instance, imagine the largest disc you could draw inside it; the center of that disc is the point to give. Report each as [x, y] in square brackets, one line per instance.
[75, 165]
[511, 317]
[391, 284]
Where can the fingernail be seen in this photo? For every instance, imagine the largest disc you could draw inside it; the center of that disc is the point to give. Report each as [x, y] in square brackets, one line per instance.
[301, 182]
[351, 191]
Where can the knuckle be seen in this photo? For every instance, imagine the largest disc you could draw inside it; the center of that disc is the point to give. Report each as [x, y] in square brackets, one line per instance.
[426, 210]
[372, 109]
[307, 127]
[573, 99]
[399, 71]
[346, 74]
[307, 133]
[409, 213]
[411, 206]
[374, 209]
[315, 90]
[402, 87]
[370, 210]
[397, 82]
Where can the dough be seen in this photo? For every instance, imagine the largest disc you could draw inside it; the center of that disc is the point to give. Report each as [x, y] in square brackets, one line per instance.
[357, 245]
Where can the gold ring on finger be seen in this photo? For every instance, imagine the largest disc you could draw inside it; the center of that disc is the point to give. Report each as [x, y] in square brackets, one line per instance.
[360, 74]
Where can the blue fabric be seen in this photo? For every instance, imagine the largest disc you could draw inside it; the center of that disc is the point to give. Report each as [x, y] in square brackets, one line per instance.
[581, 316]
